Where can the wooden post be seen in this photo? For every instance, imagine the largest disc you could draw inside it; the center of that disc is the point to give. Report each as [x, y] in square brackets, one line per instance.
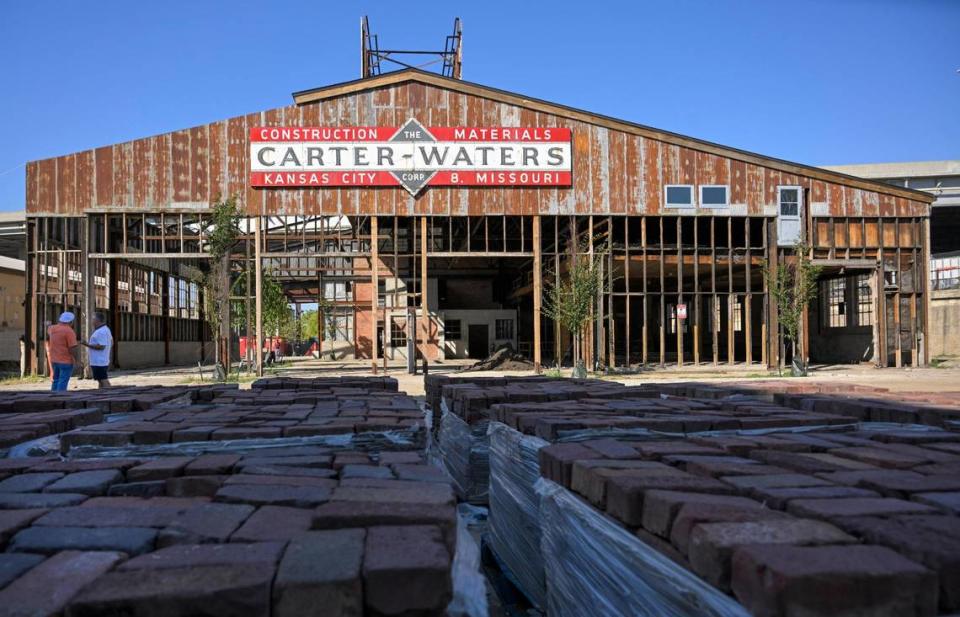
[925, 310]
[643, 243]
[88, 299]
[115, 325]
[714, 301]
[679, 323]
[424, 296]
[374, 293]
[258, 301]
[165, 318]
[537, 292]
[748, 298]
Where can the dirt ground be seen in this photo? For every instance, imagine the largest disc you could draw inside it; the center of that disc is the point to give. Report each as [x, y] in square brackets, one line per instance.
[905, 379]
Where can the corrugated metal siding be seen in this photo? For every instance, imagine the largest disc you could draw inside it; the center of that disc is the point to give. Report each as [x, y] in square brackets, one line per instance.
[614, 172]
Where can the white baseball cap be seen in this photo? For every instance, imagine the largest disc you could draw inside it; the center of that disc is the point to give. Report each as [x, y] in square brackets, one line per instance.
[66, 317]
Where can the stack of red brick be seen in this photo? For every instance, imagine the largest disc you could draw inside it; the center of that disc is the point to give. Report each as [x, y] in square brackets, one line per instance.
[25, 416]
[282, 531]
[261, 413]
[864, 403]
[385, 383]
[671, 415]
[818, 523]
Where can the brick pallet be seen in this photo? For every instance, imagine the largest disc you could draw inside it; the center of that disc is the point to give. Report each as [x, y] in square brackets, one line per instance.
[25, 416]
[260, 414]
[462, 409]
[283, 532]
[820, 523]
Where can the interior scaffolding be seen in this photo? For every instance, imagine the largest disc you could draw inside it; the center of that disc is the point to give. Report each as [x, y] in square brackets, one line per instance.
[140, 268]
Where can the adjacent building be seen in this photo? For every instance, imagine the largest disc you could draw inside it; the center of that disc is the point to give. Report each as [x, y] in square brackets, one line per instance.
[431, 209]
[940, 179]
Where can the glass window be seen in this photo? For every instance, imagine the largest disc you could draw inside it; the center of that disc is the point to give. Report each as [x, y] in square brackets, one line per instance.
[737, 316]
[790, 202]
[714, 196]
[451, 330]
[679, 195]
[504, 330]
[836, 302]
[398, 332]
[864, 301]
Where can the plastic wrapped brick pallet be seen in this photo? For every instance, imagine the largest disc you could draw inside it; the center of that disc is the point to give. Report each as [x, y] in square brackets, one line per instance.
[465, 452]
[593, 566]
[514, 508]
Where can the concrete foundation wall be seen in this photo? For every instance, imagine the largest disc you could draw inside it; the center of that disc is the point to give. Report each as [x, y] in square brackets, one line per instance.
[137, 354]
[944, 333]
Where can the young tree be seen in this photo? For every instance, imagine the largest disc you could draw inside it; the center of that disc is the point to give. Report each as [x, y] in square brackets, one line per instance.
[570, 298]
[220, 234]
[793, 285]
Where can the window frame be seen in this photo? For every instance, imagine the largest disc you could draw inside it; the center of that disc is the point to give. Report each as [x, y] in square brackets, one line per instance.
[726, 194]
[396, 327]
[799, 202]
[693, 197]
[446, 330]
[496, 329]
[835, 294]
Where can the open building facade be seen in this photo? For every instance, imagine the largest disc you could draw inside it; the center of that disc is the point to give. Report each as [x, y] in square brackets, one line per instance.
[685, 229]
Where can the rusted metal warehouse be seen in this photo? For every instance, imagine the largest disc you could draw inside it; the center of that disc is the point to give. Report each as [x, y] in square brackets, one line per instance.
[361, 206]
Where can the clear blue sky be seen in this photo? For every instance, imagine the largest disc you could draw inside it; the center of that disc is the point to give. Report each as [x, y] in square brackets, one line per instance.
[814, 81]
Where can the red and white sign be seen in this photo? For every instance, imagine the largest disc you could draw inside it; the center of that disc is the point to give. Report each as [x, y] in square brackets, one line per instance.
[411, 156]
[681, 311]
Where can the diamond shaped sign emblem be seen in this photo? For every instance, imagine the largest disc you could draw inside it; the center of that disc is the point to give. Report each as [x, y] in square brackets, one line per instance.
[413, 180]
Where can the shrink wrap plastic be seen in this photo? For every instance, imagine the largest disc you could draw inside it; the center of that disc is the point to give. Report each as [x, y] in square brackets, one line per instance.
[465, 453]
[594, 566]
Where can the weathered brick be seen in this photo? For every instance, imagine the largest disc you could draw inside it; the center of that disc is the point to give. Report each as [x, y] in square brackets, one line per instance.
[923, 542]
[427, 493]
[789, 480]
[179, 592]
[86, 482]
[12, 521]
[556, 460]
[193, 486]
[13, 565]
[160, 469]
[661, 507]
[243, 478]
[45, 589]
[366, 471]
[855, 506]
[138, 489]
[273, 523]
[192, 555]
[406, 569]
[130, 512]
[259, 495]
[420, 473]
[695, 513]
[589, 478]
[945, 501]
[320, 575]
[880, 457]
[832, 581]
[210, 522]
[16, 501]
[348, 514]
[28, 482]
[211, 465]
[625, 493]
[780, 497]
[50, 540]
[712, 544]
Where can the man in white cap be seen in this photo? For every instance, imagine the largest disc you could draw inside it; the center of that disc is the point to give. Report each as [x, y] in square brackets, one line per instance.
[62, 346]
